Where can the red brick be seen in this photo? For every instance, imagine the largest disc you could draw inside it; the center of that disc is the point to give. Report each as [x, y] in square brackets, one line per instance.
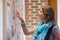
[37, 9]
[43, 1]
[38, 20]
[33, 17]
[27, 17]
[38, 3]
[29, 26]
[26, 12]
[27, 6]
[29, 3]
[34, 1]
[34, 23]
[34, 6]
[37, 14]
[27, 9]
[34, 11]
[26, 0]
[27, 20]
[29, 14]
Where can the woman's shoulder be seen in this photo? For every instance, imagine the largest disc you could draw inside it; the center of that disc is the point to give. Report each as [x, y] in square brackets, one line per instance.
[56, 26]
[55, 29]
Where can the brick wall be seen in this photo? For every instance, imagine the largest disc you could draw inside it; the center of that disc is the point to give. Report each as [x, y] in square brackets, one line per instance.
[32, 9]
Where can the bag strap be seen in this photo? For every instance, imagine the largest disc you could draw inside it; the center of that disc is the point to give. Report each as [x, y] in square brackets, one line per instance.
[49, 33]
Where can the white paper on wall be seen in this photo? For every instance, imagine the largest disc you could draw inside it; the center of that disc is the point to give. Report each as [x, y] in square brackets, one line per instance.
[14, 29]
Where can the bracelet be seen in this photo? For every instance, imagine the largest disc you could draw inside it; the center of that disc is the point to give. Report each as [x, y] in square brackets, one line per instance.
[23, 24]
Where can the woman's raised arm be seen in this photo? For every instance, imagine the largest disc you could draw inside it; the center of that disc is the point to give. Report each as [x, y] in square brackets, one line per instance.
[26, 32]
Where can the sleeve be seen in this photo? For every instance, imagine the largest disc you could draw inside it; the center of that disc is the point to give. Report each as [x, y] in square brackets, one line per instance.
[55, 29]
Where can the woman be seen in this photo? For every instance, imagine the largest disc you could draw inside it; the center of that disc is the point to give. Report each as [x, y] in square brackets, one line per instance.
[47, 17]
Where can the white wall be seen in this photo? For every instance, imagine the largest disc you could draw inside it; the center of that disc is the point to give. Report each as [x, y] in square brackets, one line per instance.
[1, 21]
[58, 9]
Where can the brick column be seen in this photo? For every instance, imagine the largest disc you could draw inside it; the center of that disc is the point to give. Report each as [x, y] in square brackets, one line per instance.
[32, 9]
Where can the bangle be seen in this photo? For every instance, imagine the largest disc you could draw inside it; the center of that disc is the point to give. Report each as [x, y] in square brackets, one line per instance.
[22, 24]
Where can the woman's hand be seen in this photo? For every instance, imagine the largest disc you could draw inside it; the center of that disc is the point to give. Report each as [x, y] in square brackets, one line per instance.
[18, 15]
[26, 32]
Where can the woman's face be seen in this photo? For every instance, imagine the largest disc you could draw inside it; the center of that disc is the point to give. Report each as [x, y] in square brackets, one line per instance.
[41, 15]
